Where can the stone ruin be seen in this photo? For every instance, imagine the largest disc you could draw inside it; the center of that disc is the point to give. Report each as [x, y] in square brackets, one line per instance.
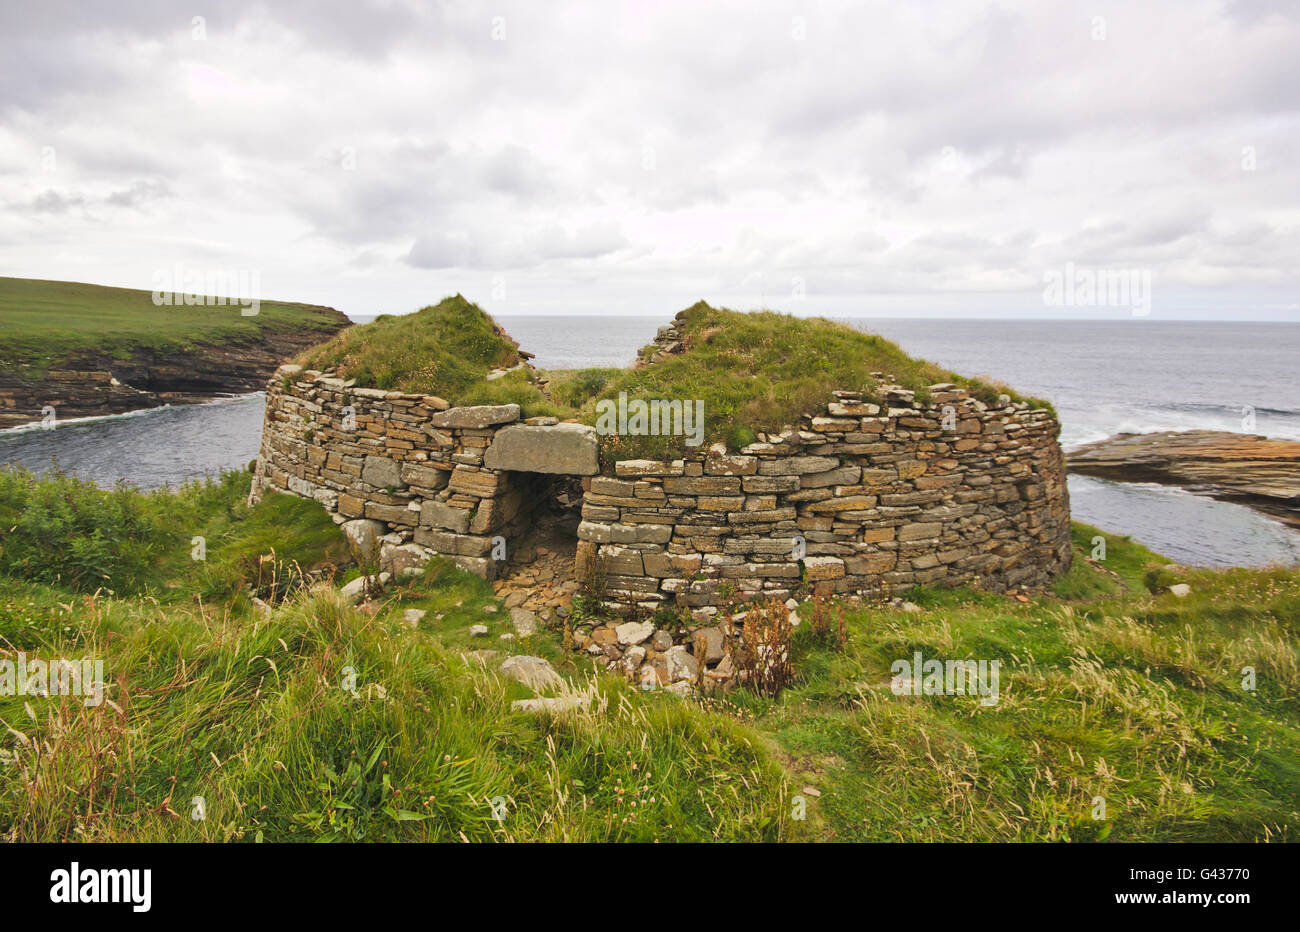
[857, 499]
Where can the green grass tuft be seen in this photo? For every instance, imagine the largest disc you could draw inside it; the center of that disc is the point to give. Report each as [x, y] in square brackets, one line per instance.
[446, 349]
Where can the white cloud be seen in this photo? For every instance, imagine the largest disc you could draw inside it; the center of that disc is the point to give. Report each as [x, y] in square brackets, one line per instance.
[632, 158]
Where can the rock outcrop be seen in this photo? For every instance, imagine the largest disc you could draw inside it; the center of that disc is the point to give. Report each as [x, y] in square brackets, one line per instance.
[1244, 468]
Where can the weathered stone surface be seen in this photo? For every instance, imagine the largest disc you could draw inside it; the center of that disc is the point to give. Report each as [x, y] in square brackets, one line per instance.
[554, 705]
[392, 514]
[920, 531]
[797, 465]
[868, 564]
[852, 409]
[563, 449]
[682, 666]
[353, 591]
[616, 488]
[771, 483]
[363, 540]
[703, 485]
[413, 616]
[713, 642]
[624, 533]
[357, 589]
[730, 465]
[621, 561]
[823, 568]
[845, 475]
[634, 632]
[534, 672]
[478, 416]
[381, 472]
[439, 514]
[481, 483]
[525, 621]
[398, 558]
[426, 477]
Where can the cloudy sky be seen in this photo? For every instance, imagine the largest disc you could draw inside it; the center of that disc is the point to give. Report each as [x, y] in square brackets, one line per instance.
[936, 158]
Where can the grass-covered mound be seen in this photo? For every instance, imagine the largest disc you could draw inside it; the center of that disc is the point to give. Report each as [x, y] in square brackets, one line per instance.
[44, 322]
[762, 370]
[755, 371]
[323, 721]
[446, 349]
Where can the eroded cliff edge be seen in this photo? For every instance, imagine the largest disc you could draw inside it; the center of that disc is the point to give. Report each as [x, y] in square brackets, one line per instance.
[88, 350]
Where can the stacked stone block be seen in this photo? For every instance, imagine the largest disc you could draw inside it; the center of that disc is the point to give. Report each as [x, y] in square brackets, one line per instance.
[404, 470]
[859, 499]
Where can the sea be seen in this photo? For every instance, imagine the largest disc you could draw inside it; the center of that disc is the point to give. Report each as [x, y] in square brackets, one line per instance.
[1104, 377]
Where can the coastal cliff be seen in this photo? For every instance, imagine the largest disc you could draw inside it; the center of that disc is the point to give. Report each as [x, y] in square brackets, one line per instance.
[89, 351]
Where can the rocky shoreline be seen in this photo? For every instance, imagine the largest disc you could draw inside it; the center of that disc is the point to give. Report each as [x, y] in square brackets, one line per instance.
[96, 384]
[1247, 469]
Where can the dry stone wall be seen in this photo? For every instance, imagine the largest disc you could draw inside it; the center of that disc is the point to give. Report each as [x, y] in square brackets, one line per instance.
[860, 498]
[408, 475]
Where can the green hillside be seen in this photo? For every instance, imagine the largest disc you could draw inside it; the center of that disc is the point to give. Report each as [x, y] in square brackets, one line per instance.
[44, 322]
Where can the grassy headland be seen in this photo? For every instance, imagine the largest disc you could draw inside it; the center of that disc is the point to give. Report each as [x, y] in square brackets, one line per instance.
[42, 323]
[316, 720]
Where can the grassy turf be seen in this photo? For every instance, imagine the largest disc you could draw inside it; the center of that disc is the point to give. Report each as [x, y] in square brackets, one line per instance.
[754, 372]
[44, 322]
[1136, 700]
[321, 721]
[446, 349]
[761, 371]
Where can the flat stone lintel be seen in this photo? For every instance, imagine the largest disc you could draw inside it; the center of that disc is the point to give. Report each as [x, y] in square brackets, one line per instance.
[557, 449]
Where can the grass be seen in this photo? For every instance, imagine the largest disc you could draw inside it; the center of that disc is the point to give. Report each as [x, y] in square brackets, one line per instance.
[1137, 700]
[67, 532]
[762, 371]
[43, 323]
[754, 371]
[446, 349]
[317, 720]
[254, 717]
